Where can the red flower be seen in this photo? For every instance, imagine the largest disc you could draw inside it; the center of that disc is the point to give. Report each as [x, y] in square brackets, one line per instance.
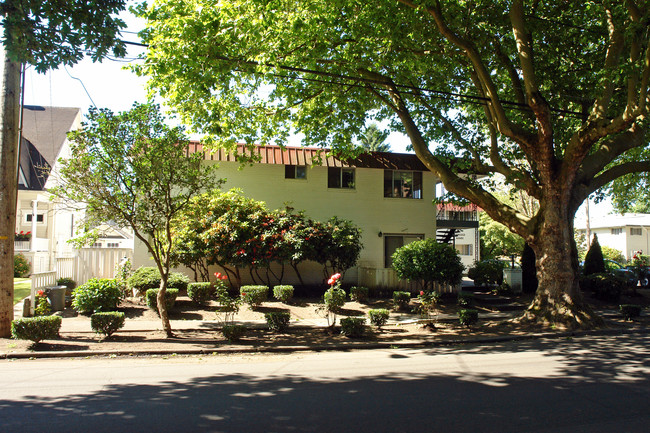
[40, 293]
[331, 281]
[421, 292]
[224, 277]
[243, 294]
[218, 275]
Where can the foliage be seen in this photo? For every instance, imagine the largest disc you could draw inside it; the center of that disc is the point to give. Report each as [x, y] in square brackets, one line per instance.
[528, 270]
[254, 296]
[69, 283]
[131, 168]
[228, 307]
[378, 316]
[401, 300]
[496, 239]
[373, 139]
[428, 262]
[107, 323]
[147, 277]
[503, 290]
[233, 333]
[151, 298]
[353, 327]
[428, 303]
[96, 295]
[630, 311]
[333, 301]
[277, 321]
[487, 272]
[283, 293]
[124, 270]
[42, 306]
[359, 294]
[605, 286]
[594, 260]
[467, 317]
[36, 328]
[22, 236]
[465, 299]
[479, 88]
[21, 265]
[610, 253]
[200, 293]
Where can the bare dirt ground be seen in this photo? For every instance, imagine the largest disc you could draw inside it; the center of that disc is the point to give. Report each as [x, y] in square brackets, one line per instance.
[198, 328]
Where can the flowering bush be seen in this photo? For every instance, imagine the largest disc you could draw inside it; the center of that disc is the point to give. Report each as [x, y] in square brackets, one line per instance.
[428, 303]
[41, 305]
[21, 265]
[22, 236]
[333, 299]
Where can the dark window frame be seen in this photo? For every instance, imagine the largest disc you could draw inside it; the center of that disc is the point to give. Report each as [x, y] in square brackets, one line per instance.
[295, 172]
[341, 178]
[395, 184]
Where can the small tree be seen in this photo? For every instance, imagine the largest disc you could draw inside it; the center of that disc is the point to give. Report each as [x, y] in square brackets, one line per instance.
[594, 262]
[428, 262]
[528, 270]
[132, 169]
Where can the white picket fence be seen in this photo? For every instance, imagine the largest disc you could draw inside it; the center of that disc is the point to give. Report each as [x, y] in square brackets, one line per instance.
[88, 263]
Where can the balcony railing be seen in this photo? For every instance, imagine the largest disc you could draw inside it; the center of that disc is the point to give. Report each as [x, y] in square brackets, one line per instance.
[40, 244]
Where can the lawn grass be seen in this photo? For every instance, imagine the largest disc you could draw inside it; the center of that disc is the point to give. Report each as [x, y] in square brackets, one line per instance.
[22, 287]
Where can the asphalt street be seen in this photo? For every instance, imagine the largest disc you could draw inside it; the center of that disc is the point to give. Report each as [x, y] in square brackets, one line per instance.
[592, 384]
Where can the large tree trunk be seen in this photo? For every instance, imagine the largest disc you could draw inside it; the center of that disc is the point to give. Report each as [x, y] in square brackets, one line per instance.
[558, 300]
[10, 116]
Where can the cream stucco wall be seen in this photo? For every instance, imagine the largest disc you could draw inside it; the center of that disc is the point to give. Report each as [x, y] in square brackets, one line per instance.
[364, 205]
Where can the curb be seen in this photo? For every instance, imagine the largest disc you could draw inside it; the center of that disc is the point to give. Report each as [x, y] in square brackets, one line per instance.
[321, 348]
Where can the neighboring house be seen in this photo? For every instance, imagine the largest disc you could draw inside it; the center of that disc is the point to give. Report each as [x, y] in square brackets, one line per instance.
[459, 226]
[44, 141]
[627, 233]
[388, 195]
[111, 236]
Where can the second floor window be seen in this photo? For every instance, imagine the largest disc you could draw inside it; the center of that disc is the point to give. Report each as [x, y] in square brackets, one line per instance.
[295, 172]
[338, 177]
[402, 184]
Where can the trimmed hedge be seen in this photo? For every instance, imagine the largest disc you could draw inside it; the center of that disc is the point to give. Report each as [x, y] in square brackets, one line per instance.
[254, 295]
[151, 297]
[98, 294]
[200, 293]
[283, 293]
[353, 327]
[107, 323]
[36, 328]
[278, 321]
[401, 300]
[486, 272]
[378, 317]
[147, 277]
[465, 299]
[468, 317]
[359, 294]
[233, 332]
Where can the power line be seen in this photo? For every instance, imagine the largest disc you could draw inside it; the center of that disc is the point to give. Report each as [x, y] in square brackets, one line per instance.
[82, 85]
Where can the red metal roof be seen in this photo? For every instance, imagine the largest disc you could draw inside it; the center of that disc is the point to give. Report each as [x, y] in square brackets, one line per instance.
[313, 156]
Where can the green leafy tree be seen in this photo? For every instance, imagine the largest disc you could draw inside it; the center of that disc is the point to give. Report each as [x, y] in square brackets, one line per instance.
[374, 140]
[44, 34]
[550, 95]
[132, 169]
[496, 239]
[594, 262]
[428, 262]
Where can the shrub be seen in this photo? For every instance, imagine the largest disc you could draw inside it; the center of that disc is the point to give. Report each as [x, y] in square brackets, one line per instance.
[428, 303]
[41, 304]
[486, 272]
[21, 265]
[401, 300]
[228, 307]
[96, 295]
[147, 277]
[503, 290]
[378, 317]
[278, 321]
[605, 286]
[233, 332]
[254, 295]
[465, 299]
[468, 317]
[529, 281]
[630, 311]
[353, 327]
[69, 283]
[594, 262]
[107, 323]
[333, 301]
[428, 261]
[359, 294]
[283, 293]
[199, 293]
[36, 328]
[151, 297]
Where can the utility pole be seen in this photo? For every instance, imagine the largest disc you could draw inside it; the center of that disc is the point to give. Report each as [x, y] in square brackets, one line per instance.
[10, 121]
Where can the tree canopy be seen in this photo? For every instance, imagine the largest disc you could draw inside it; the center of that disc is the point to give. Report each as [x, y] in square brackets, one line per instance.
[132, 169]
[550, 95]
[374, 140]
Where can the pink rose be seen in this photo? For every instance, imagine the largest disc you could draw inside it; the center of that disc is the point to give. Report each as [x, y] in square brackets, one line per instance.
[421, 292]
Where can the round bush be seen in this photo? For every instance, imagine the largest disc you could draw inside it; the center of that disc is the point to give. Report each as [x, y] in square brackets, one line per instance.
[278, 321]
[359, 294]
[283, 293]
[334, 299]
[254, 295]
[378, 317]
[36, 328]
[21, 266]
[107, 323]
[151, 298]
[401, 299]
[148, 277]
[468, 317]
[233, 332]
[199, 293]
[96, 295]
[428, 261]
[353, 327]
